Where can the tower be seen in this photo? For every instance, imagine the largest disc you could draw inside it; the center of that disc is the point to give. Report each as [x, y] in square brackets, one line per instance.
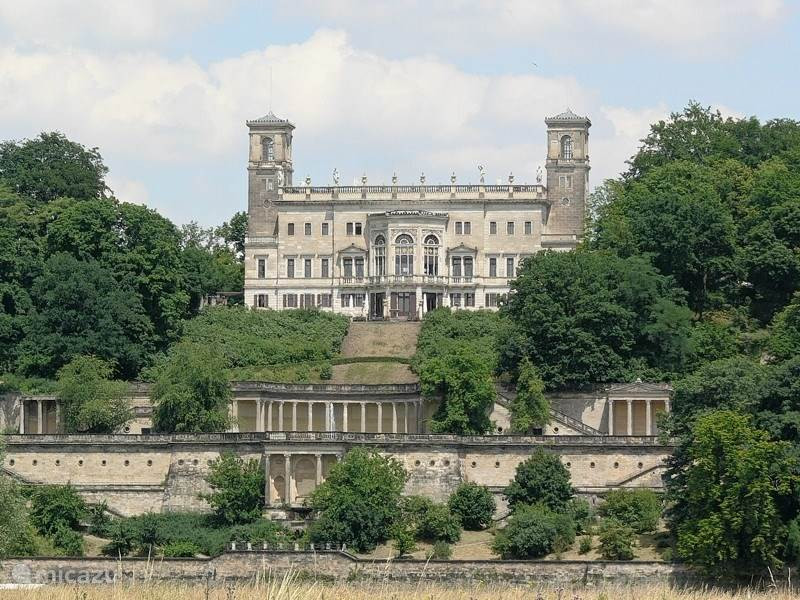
[567, 172]
[269, 166]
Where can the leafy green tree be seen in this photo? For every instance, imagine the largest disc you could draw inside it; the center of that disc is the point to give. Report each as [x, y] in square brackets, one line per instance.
[233, 233]
[80, 309]
[616, 540]
[402, 539]
[534, 532]
[237, 489]
[359, 501]
[56, 506]
[465, 385]
[530, 408]
[191, 391]
[726, 493]
[122, 539]
[784, 340]
[473, 504]
[542, 478]
[17, 536]
[778, 409]
[438, 523]
[51, 166]
[584, 317]
[91, 401]
[640, 509]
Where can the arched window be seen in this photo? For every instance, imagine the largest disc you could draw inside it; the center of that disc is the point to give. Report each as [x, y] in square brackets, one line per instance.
[379, 255]
[566, 147]
[267, 148]
[404, 255]
[431, 264]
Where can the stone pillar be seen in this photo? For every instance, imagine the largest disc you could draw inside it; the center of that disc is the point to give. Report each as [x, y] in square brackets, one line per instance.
[287, 467]
[420, 416]
[363, 417]
[610, 417]
[328, 416]
[280, 415]
[294, 416]
[380, 417]
[22, 412]
[630, 417]
[311, 416]
[344, 417]
[259, 409]
[267, 482]
[269, 416]
[235, 414]
[319, 468]
[666, 405]
[394, 417]
[40, 412]
[405, 417]
[59, 428]
[648, 418]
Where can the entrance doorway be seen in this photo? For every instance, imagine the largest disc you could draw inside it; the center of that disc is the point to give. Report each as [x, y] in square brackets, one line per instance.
[376, 305]
[432, 301]
[403, 304]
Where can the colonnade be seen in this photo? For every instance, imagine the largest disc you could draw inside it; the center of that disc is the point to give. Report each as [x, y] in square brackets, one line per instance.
[629, 404]
[25, 406]
[288, 483]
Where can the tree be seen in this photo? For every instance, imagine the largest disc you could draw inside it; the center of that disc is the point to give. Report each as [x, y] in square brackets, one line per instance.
[51, 166]
[542, 478]
[530, 408]
[55, 507]
[191, 392]
[80, 309]
[233, 233]
[640, 509]
[725, 495]
[464, 383]
[403, 539]
[585, 317]
[17, 537]
[473, 504]
[359, 501]
[91, 402]
[237, 489]
[534, 532]
[438, 523]
[616, 540]
[784, 340]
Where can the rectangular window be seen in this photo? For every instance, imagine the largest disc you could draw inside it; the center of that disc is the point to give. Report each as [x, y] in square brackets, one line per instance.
[467, 228]
[349, 229]
[262, 268]
[459, 227]
[358, 228]
[324, 300]
[262, 300]
[565, 181]
[358, 300]
[325, 227]
[467, 266]
[491, 300]
[348, 267]
[510, 228]
[308, 228]
[360, 268]
[290, 301]
[456, 266]
[492, 267]
[528, 227]
[270, 184]
[345, 300]
[290, 268]
[510, 267]
[290, 228]
[469, 299]
[455, 299]
[307, 268]
[325, 267]
[307, 301]
[492, 227]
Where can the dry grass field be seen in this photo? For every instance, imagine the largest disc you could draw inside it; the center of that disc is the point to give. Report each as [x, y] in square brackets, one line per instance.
[286, 589]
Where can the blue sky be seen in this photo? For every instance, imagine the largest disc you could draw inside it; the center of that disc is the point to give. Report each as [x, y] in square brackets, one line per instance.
[163, 87]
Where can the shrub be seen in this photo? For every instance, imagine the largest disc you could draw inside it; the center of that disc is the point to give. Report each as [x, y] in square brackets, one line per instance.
[148, 532]
[99, 521]
[403, 539]
[441, 550]
[326, 372]
[542, 478]
[123, 539]
[181, 550]
[262, 530]
[238, 489]
[438, 523]
[581, 512]
[55, 506]
[473, 504]
[68, 541]
[17, 535]
[616, 541]
[640, 509]
[534, 532]
[585, 545]
[792, 550]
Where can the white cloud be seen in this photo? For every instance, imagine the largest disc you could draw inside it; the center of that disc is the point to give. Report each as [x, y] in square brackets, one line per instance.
[127, 190]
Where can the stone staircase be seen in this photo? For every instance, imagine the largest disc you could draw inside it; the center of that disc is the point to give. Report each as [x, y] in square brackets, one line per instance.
[573, 423]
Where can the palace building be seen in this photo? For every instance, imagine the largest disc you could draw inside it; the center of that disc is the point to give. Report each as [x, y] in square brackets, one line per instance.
[397, 251]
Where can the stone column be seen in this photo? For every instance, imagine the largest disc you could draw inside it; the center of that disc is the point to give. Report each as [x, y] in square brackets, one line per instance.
[630, 417]
[22, 412]
[235, 415]
[328, 416]
[287, 467]
[59, 428]
[269, 416]
[294, 416]
[420, 417]
[405, 417]
[380, 417]
[280, 415]
[259, 415]
[267, 482]
[648, 418]
[394, 417]
[40, 411]
[311, 416]
[666, 405]
[610, 417]
[344, 417]
[319, 468]
[363, 417]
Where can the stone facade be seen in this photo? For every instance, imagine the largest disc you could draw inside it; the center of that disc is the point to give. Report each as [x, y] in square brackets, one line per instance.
[397, 251]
